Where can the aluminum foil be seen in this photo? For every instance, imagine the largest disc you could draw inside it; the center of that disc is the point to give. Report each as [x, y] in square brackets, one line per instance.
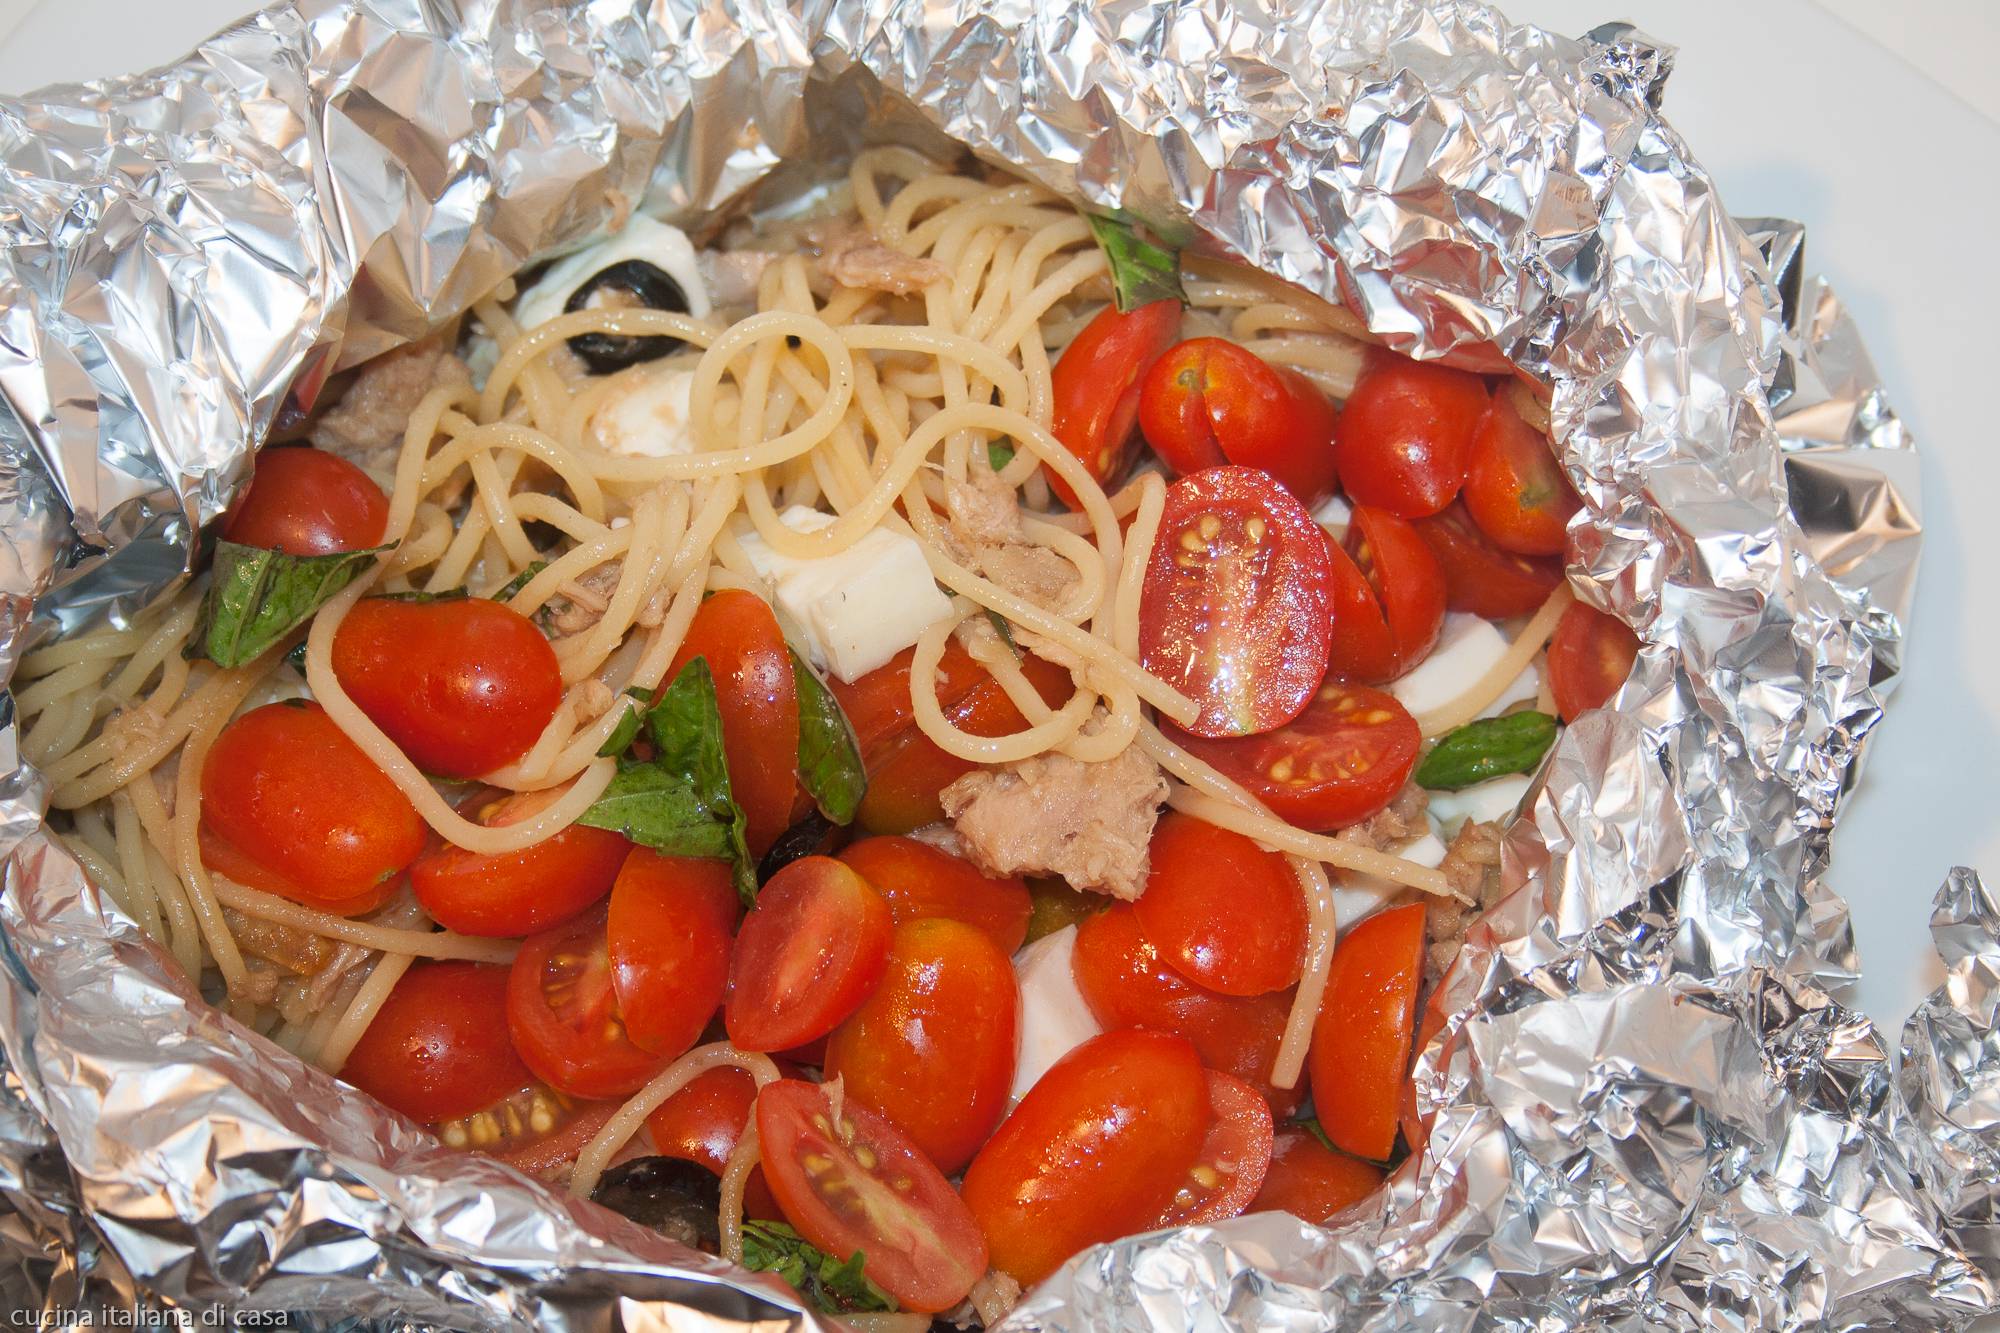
[1643, 1106]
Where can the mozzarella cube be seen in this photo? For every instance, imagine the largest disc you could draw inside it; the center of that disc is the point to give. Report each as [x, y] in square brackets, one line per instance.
[1334, 512]
[648, 415]
[1055, 1020]
[665, 248]
[1467, 648]
[1482, 802]
[1356, 895]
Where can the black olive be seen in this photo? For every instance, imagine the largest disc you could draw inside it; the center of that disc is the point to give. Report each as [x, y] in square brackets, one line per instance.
[636, 283]
[815, 835]
[678, 1199]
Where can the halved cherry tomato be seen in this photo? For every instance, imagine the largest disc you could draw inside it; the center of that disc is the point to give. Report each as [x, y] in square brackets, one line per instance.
[934, 1045]
[667, 930]
[545, 1154]
[919, 881]
[433, 1051]
[1481, 578]
[563, 1012]
[1590, 655]
[1339, 762]
[1514, 489]
[1309, 1180]
[1405, 434]
[1229, 1170]
[849, 1180]
[814, 947]
[1127, 984]
[307, 502]
[1208, 402]
[517, 893]
[1094, 389]
[305, 808]
[462, 685]
[1388, 598]
[1223, 912]
[1095, 1151]
[754, 690]
[1360, 1054]
[1234, 607]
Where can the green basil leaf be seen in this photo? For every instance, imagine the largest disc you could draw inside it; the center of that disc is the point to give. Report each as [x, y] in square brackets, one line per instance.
[829, 755]
[833, 1286]
[1141, 272]
[1005, 629]
[1488, 748]
[621, 737]
[421, 598]
[999, 454]
[659, 809]
[256, 597]
[1311, 1126]
[520, 580]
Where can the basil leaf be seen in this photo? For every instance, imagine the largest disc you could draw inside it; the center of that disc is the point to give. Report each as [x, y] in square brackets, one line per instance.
[1311, 1126]
[421, 598]
[1488, 748]
[1004, 628]
[520, 580]
[998, 454]
[659, 809]
[621, 737]
[833, 1286]
[829, 755]
[1141, 272]
[256, 597]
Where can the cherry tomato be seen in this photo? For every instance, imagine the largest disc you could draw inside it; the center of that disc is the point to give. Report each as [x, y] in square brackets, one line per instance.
[433, 1051]
[759, 702]
[1094, 388]
[1590, 655]
[222, 858]
[462, 685]
[563, 1011]
[1514, 489]
[307, 502]
[668, 932]
[1229, 1169]
[934, 1045]
[1342, 760]
[1208, 402]
[517, 893]
[814, 947]
[849, 1180]
[1234, 606]
[1225, 913]
[1311, 1181]
[302, 805]
[1405, 434]
[1361, 1040]
[1127, 984]
[1388, 598]
[919, 881]
[1095, 1151]
[878, 704]
[545, 1154]
[702, 1122]
[1481, 578]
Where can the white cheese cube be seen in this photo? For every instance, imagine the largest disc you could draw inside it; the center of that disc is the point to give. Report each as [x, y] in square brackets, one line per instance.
[648, 415]
[1334, 512]
[665, 248]
[1482, 802]
[1055, 1020]
[1356, 895]
[1467, 648]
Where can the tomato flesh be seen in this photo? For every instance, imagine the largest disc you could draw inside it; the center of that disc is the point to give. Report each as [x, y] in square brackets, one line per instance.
[544, 1154]
[703, 1121]
[306, 501]
[1224, 913]
[1590, 655]
[667, 930]
[1481, 578]
[1514, 490]
[1208, 402]
[815, 946]
[1311, 1181]
[508, 894]
[1230, 1168]
[1361, 1047]
[1405, 434]
[919, 880]
[754, 691]
[1388, 598]
[563, 1013]
[433, 1051]
[1094, 389]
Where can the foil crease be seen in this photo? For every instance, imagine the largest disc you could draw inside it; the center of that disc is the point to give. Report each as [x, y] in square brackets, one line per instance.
[1643, 1105]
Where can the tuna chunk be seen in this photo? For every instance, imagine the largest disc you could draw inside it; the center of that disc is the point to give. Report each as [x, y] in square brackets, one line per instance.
[366, 426]
[852, 257]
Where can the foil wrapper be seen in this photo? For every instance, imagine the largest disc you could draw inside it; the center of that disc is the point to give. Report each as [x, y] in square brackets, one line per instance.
[1642, 1105]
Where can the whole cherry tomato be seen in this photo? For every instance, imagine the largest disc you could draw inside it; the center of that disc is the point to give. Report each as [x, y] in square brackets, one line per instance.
[668, 932]
[433, 1051]
[1229, 1169]
[1311, 1181]
[878, 704]
[1514, 490]
[1405, 434]
[1481, 578]
[1360, 1054]
[1225, 913]
[1234, 606]
[703, 1121]
[919, 880]
[307, 502]
[1208, 402]
[815, 946]
[562, 1010]
[1590, 655]
[520, 892]
[1094, 389]
[1388, 598]
[759, 702]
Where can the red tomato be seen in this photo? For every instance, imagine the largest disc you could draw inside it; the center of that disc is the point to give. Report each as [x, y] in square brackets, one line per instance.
[1481, 578]
[303, 806]
[224, 859]
[1225, 913]
[759, 702]
[1361, 1041]
[702, 1122]
[934, 1045]
[1514, 489]
[517, 893]
[814, 947]
[878, 704]
[433, 1051]
[1590, 655]
[462, 686]
[668, 931]
[919, 881]
[563, 1011]
[1234, 607]
[307, 502]
[1388, 598]
[545, 1154]
[1208, 402]
[1405, 434]
[1095, 1151]
[1311, 1181]
[1094, 387]
[849, 1180]
[1127, 984]
[1342, 760]
[1229, 1170]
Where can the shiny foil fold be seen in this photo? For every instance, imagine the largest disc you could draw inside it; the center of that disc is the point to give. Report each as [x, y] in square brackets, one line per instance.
[1643, 1106]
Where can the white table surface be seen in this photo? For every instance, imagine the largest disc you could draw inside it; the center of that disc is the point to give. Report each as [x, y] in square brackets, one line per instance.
[1899, 186]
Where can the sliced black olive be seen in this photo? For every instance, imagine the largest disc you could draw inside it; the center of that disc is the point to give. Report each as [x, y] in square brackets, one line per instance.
[678, 1199]
[628, 284]
[815, 835]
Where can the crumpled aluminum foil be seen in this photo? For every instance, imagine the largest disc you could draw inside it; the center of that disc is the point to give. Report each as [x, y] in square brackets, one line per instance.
[1643, 1107]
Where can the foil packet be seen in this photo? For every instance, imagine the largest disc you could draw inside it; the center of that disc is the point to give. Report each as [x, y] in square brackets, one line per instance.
[1643, 1105]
